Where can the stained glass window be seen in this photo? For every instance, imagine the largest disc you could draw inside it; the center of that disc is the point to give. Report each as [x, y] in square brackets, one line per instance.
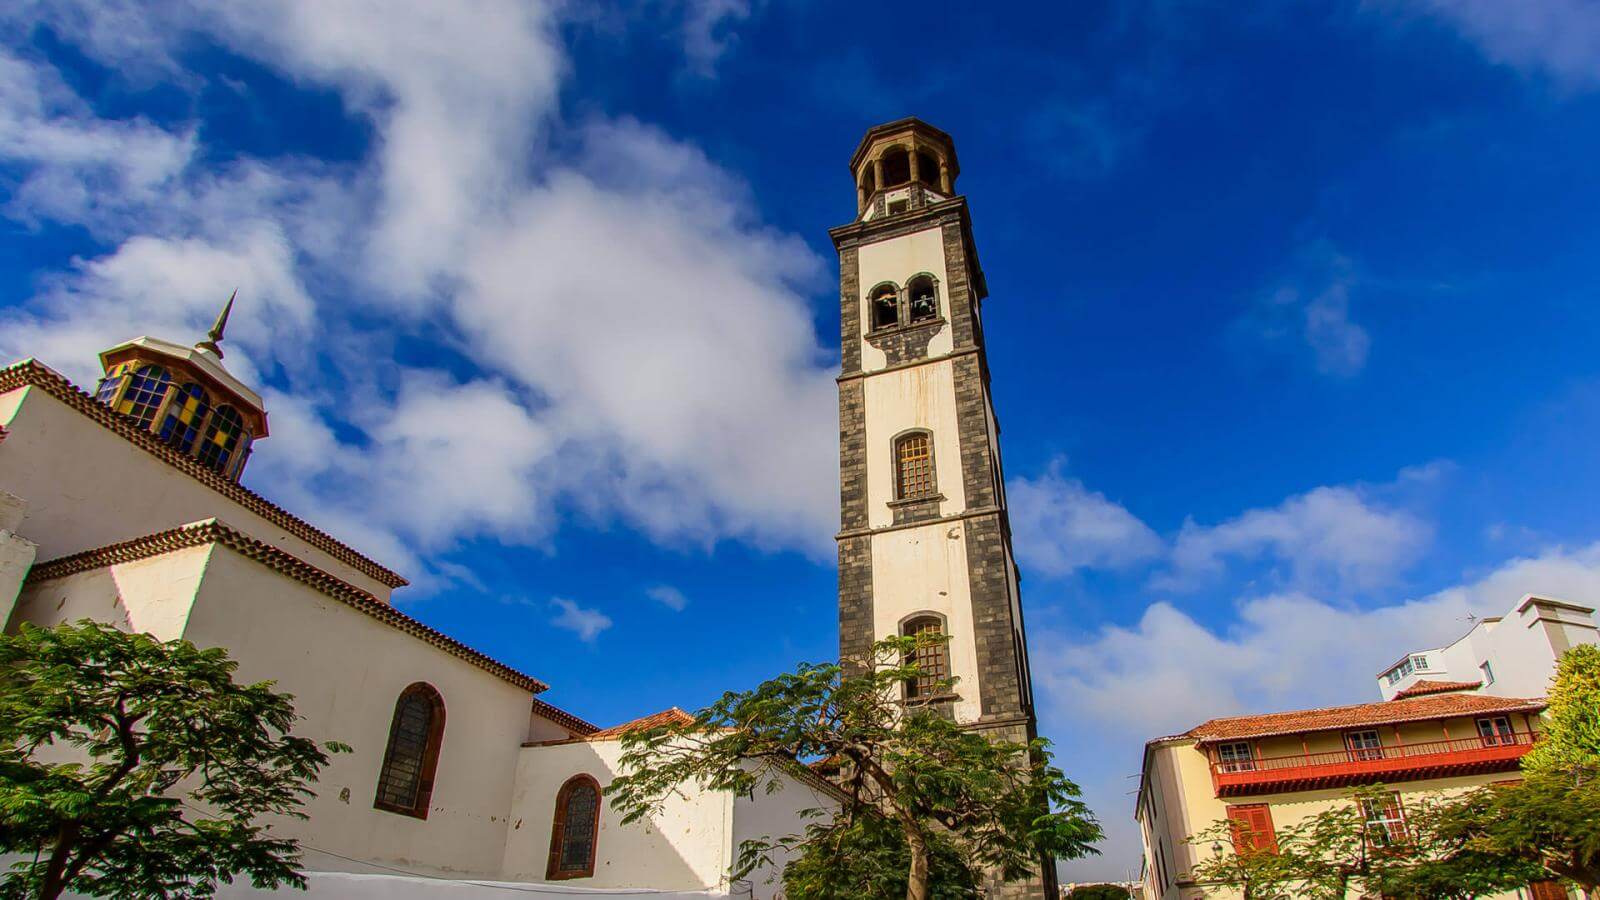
[112, 382]
[222, 439]
[576, 830]
[406, 781]
[185, 417]
[147, 388]
[914, 462]
[934, 668]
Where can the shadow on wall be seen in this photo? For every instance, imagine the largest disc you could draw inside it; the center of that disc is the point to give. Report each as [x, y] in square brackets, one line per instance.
[339, 886]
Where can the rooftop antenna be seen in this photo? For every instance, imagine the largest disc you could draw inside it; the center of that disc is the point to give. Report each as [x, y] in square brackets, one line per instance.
[214, 336]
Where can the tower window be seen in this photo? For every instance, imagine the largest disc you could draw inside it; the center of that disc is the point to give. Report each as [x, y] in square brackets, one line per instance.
[931, 660]
[147, 389]
[913, 454]
[927, 169]
[885, 306]
[222, 440]
[185, 417]
[575, 834]
[405, 783]
[896, 167]
[924, 298]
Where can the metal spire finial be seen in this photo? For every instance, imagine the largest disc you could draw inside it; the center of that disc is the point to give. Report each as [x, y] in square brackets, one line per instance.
[214, 336]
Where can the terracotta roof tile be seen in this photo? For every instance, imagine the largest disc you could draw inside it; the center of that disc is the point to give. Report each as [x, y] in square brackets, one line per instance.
[672, 716]
[1425, 686]
[1411, 709]
[563, 718]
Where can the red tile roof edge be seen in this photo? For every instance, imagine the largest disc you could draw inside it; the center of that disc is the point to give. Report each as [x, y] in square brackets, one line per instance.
[1305, 721]
[1425, 686]
[563, 718]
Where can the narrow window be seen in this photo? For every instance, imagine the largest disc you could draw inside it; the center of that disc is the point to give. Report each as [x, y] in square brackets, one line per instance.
[927, 169]
[1364, 745]
[405, 783]
[222, 439]
[913, 456]
[931, 660]
[1488, 672]
[924, 301]
[1496, 731]
[1252, 828]
[896, 167]
[1385, 821]
[885, 306]
[576, 831]
[185, 417]
[146, 390]
[1236, 757]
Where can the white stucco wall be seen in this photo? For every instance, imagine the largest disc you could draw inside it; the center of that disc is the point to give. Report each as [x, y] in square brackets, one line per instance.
[1521, 648]
[87, 487]
[925, 569]
[895, 402]
[17, 553]
[769, 817]
[897, 260]
[687, 847]
[154, 595]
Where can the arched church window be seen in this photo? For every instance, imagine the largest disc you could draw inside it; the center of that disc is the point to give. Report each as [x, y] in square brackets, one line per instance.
[221, 443]
[405, 783]
[896, 167]
[112, 382]
[924, 298]
[885, 306]
[147, 389]
[927, 169]
[913, 457]
[576, 831]
[932, 659]
[186, 416]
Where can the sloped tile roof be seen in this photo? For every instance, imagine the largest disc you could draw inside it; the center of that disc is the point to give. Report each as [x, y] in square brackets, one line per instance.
[1410, 709]
[563, 718]
[1426, 686]
[671, 716]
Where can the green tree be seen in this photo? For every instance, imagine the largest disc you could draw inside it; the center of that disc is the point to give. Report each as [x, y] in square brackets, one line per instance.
[136, 768]
[1551, 822]
[1000, 806]
[1572, 723]
[1231, 862]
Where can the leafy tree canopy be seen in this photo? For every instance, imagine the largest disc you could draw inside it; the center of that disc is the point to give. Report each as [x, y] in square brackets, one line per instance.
[1572, 723]
[1001, 806]
[136, 768]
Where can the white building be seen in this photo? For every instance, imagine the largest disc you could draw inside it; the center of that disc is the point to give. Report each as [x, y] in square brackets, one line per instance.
[1513, 655]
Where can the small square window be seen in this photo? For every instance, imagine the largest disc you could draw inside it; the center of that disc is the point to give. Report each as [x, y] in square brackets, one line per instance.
[1488, 672]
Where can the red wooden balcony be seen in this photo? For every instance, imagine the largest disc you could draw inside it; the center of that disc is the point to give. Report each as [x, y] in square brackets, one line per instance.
[1407, 762]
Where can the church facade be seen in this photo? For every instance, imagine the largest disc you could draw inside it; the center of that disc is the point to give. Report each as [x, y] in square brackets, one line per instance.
[125, 504]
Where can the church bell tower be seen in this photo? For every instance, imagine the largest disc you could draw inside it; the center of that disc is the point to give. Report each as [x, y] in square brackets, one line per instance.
[924, 539]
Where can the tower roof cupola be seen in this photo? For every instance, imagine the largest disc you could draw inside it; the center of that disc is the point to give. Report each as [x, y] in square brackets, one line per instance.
[186, 397]
[903, 165]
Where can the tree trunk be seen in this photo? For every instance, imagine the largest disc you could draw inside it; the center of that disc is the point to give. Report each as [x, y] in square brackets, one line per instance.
[54, 883]
[917, 883]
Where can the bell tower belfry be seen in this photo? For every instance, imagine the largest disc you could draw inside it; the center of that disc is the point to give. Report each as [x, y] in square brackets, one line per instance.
[925, 540]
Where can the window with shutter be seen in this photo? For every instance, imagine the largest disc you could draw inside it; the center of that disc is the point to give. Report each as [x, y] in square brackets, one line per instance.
[931, 660]
[1252, 828]
[405, 783]
[913, 459]
[575, 834]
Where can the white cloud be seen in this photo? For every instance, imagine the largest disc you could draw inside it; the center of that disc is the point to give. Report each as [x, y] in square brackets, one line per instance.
[708, 30]
[668, 596]
[1104, 694]
[1062, 526]
[1334, 536]
[585, 623]
[1560, 38]
[1312, 308]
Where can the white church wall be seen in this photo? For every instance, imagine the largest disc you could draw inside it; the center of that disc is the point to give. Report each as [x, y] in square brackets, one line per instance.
[346, 670]
[686, 847]
[772, 816]
[898, 259]
[87, 487]
[16, 553]
[925, 569]
[153, 595]
[918, 397]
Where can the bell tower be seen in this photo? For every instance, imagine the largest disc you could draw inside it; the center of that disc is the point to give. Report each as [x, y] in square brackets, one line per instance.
[924, 539]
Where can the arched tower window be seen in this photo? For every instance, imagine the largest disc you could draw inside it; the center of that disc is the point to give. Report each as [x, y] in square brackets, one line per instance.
[885, 306]
[186, 416]
[147, 390]
[932, 659]
[896, 167]
[927, 169]
[224, 434]
[924, 297]
[576, 831]
[913, 460]
[405, 783]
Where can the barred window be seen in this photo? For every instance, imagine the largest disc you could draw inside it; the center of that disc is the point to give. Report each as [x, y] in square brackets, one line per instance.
[185, 417]
[147, 389]
[576, 831]
[405, 783]
[931, 660]
[222, 439]
[913, 454]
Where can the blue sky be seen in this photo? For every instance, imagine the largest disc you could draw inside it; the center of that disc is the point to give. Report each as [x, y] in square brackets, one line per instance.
[1291, 313]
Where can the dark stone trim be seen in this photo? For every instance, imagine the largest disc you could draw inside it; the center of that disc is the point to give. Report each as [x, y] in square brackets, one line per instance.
[999, 670]
[857, 376]
[852, 455]
[979, 467]
[849, 311]
[963, 308]
[902, 344]
[855, 602]
[920, 509]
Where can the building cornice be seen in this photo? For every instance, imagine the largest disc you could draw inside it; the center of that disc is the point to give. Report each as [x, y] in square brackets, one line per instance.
[31, 372]
[934, 215]
[212, 531]
[563, 718]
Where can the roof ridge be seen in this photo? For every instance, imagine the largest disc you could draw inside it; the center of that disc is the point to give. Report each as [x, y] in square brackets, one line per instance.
[32, 372]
